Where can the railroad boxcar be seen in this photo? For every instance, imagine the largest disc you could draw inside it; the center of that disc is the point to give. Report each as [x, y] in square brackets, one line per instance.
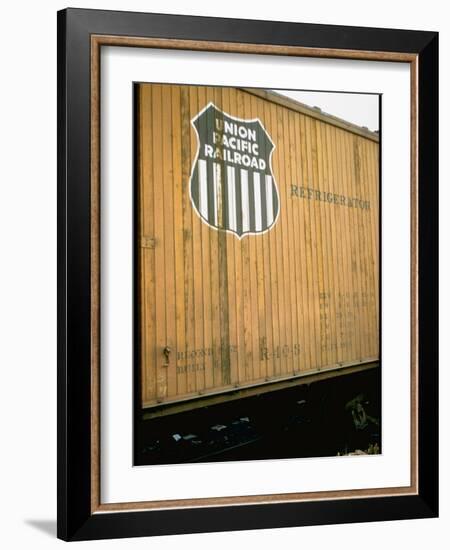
[257, 244]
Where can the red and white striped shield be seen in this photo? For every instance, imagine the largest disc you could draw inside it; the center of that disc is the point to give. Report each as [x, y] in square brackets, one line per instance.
[232, 186]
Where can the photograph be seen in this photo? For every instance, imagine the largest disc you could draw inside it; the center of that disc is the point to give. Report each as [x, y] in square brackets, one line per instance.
[256, 273]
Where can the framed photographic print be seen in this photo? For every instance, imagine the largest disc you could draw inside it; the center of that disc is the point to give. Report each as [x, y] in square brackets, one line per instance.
[247, 274]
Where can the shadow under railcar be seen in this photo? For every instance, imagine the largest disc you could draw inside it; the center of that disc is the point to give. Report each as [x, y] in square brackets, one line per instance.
[325, 418]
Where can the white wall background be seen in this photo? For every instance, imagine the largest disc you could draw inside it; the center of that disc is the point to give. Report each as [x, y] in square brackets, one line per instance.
[28, 273]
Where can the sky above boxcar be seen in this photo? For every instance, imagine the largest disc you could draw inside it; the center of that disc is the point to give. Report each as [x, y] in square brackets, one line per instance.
[359, 109]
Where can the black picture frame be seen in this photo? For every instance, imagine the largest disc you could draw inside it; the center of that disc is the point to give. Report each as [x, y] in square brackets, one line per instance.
[76, 518]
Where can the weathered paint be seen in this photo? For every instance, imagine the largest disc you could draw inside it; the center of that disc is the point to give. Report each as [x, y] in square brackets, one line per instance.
[239, 310]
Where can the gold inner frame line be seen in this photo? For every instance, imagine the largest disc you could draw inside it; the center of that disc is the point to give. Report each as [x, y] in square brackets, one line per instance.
[97, 41]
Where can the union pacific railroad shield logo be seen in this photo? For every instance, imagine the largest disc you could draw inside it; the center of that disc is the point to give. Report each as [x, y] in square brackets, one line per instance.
[232, 187]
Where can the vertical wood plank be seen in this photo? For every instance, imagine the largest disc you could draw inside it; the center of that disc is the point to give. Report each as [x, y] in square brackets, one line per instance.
[298, 348]
[250, 113]
[287, 343]
[188, 290]
[319, 279]
[147, 293]
[196, 362]
[358, 250]
[336, 238]
[233, 355]
[203, 288]
[167, 243]
[178, 264]
[301, 229]
[160, 279]
[246, 288]
[312, 247]
[325, 301]
[281, 361]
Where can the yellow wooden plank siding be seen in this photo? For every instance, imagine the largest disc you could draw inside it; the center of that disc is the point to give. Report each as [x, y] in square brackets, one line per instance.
[219, 309]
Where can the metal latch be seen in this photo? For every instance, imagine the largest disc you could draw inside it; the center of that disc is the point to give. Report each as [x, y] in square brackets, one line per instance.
[166, 352]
